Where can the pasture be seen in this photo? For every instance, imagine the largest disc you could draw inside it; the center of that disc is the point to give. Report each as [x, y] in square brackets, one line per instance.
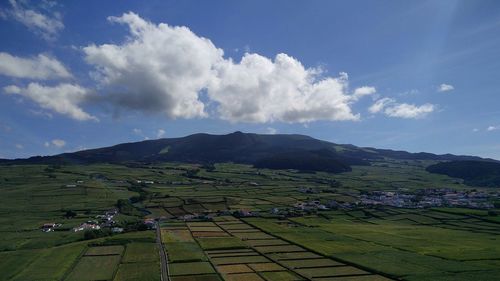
[208, 234]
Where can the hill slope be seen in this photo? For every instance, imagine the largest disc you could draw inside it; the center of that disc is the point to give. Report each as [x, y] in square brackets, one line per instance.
[476, 173]
[236, 147]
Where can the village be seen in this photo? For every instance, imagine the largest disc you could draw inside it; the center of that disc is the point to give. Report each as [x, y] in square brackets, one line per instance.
[431, 197]
[401, 198]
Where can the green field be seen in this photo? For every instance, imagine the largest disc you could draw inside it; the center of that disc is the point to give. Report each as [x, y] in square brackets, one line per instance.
[206, 240]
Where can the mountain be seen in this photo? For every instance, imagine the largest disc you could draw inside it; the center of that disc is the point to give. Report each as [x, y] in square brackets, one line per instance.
[238, 147]
[475, 173]
[316, 160]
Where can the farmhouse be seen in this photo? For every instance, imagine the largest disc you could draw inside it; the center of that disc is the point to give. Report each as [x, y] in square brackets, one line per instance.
[150, 223]
[86, 225]
[47, 227]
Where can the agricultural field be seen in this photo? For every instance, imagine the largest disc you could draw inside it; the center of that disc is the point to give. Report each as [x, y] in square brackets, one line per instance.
[234, 222]
[234, 255]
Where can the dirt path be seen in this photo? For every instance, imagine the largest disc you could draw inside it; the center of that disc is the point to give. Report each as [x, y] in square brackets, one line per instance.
[165, 276]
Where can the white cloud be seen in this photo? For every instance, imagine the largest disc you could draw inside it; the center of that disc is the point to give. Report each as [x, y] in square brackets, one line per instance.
[260, 90]
[162, 68]
[492, 128]
[410, 111]
[391, 108]
[41, 67]
[63, 98]
[271, 131]
[445, 88]
[380, 104]
[46, 24]
[57, 143]
[19, 146]
[364, 91]
[160, 133]
[475, 130]
[142, 135]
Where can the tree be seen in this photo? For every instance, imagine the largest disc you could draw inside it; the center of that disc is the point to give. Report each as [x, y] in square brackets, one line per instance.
[91, 234]
[70, 214]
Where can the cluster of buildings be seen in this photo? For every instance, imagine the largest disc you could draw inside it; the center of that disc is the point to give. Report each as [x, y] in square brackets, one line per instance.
[207, 216]
[300, 208]
[431, 197]
[87, 225]
[311, 205]
[145, 181]
[50, 226]
[102, 221]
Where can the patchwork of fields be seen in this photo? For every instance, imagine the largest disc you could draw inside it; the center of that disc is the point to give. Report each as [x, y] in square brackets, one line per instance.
[238, 251]
[221, 224]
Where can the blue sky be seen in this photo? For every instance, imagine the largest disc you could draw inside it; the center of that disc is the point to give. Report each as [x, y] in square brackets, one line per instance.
[409, 75]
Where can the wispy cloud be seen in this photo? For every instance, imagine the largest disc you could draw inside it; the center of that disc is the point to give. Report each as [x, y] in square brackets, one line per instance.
[160, 133]
[63, 98]
[409, 111]
[271, 131]
[39, 19]
[492, 128]
[445, 88]
[41, 67]
[391, 108]
[57, 143]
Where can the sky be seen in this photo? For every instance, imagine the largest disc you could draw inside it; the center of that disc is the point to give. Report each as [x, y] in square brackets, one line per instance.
[406, 75]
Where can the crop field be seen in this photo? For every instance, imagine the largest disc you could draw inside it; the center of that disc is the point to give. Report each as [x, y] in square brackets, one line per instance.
[236, 257]
[224, 224]
[95, 268]
[409, 244]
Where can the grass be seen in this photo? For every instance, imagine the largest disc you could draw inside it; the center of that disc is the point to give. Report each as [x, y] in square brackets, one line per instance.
[53, 263]
[435, 244]
[138, 271]
[190, 268]
[238, 260]
[141, 252]
[16, 261]
[95, 268]
[202, 277]
[279, 249]
[294, 256]
[184, 251]
[205, 229]
[243, 277]
[310, 263]
[266, 242]
[252, 235]
[280, 276]
[233, 268]
[177, 235]
[265, 267]
[104, 250]
[331, 271]
[221, 243]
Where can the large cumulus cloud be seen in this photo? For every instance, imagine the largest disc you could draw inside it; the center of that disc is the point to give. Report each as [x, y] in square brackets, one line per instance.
[163, 68]
[160, 68]
[258, 89]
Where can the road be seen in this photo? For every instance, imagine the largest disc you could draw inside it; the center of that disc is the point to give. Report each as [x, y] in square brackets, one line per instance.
[165, 276]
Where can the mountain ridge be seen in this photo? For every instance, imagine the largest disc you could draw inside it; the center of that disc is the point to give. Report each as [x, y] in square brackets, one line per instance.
[238, 147]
